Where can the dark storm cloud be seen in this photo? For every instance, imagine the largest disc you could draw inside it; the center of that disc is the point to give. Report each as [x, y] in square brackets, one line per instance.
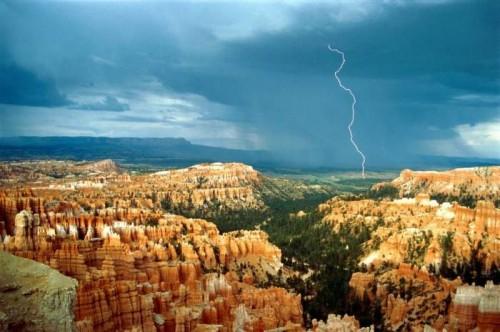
[404, 64]
[19, 86]
[419, 70]
[404, 41]
[109, 103]
[455, 45]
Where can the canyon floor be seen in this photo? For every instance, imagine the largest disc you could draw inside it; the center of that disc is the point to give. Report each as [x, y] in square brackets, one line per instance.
[225, 247]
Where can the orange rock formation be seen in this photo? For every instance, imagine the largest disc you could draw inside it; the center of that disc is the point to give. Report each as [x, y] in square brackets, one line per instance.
[475, 307]
[156, 278]
[138, 268]
[412, 230]
[336, 323]
[409, 297]
[479, 182]
[421, 233]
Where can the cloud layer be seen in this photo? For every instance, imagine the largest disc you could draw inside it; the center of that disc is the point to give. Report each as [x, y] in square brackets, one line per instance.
[257, 75]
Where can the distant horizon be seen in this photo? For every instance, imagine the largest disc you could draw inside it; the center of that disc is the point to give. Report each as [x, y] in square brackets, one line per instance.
[258, 158]
[212, 146]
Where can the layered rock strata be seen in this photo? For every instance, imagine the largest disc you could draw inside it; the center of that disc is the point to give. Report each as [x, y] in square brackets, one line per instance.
[409, 298]
[170, 277]
[412, 241]
[475, 307]
[415, 231]
[476, 182]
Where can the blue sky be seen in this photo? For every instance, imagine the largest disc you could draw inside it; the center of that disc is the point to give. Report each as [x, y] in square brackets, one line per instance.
[258, 75]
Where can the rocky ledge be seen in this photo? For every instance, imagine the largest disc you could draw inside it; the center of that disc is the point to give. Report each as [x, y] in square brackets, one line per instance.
[34, 297]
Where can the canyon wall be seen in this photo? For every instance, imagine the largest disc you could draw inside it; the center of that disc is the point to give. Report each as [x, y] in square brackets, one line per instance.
[418, 253]
[475, 307]
[170, 277]
[416, 231]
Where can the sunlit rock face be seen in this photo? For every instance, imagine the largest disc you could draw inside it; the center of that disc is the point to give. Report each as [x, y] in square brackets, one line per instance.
[409, 298]
[337, 323]
[212, 187]
[204, 189]
[475, 307]
[413, 231]
[166, 277]
[478, 182]
[137, 267]
[46, 170]
[409, 241]
[232, 185]
[213, 175]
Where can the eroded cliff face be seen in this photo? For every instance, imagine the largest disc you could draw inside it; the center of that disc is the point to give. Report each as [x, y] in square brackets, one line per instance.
[228, 186]
[99, 185]
[34, 297]
[170, 277]
[478, 182]
[411, 298]
[205, 189]
[414, 245]
[420, 252]
[139, 268]
[408, 297]
[422, 232]
[475, 307]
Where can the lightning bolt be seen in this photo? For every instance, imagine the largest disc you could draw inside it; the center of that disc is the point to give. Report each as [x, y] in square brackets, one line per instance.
[353, 109]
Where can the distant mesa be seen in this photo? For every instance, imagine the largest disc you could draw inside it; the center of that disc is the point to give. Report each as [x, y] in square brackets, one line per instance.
[160, 152]
[179, 152]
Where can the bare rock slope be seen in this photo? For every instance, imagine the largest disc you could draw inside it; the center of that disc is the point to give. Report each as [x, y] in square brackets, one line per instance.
[34, 297]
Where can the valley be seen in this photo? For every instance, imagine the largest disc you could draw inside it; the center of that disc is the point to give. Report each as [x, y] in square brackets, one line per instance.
[223, 246]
